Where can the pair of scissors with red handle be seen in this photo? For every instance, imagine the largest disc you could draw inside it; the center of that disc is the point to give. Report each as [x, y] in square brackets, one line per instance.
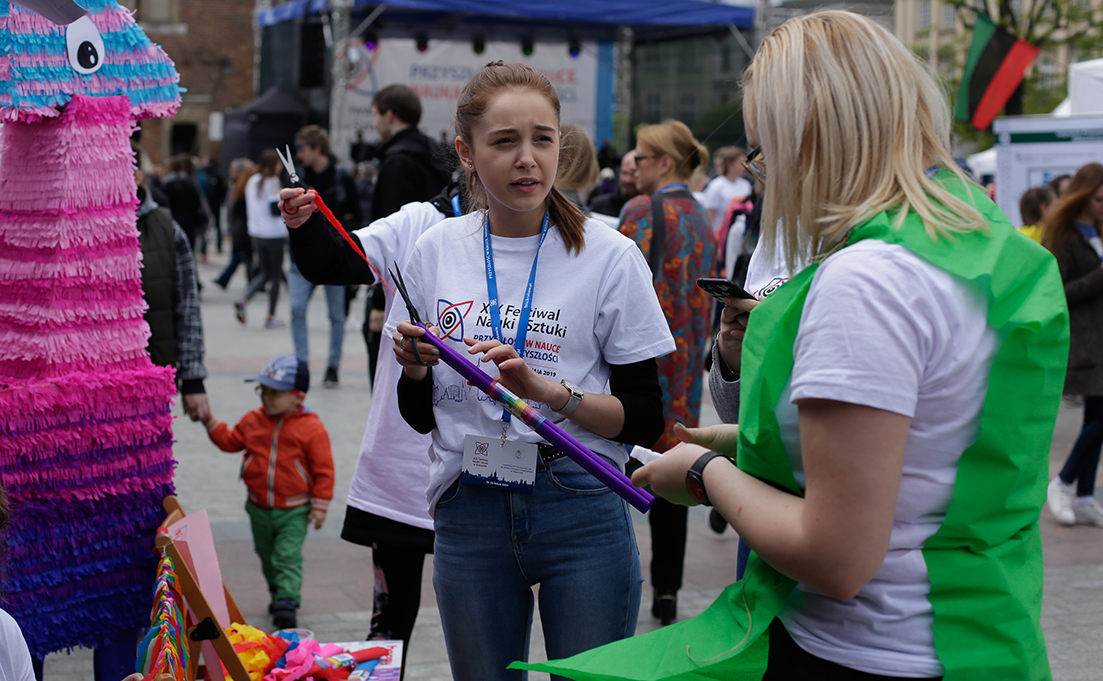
[293, 175]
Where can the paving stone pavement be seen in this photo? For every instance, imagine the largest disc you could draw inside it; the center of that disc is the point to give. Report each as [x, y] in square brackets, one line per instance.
[337, 592]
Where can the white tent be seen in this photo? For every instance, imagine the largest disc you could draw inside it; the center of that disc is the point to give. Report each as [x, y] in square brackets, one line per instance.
[1086, 87]
[983, 163]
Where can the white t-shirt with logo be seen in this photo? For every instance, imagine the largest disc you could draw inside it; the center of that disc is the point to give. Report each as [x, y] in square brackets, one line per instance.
[393, 469]
[882, 327]
[589, 310]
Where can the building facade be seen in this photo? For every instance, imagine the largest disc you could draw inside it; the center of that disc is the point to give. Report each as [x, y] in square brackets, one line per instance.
[689, 79]
[212, 44]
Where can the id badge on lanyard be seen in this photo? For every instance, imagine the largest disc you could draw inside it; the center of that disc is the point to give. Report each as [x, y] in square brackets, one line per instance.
[496, 461]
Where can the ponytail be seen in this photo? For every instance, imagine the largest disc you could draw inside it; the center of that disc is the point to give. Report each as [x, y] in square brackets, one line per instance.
[564, 214]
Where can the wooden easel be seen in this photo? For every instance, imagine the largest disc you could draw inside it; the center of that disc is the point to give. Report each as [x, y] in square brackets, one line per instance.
[207, 627]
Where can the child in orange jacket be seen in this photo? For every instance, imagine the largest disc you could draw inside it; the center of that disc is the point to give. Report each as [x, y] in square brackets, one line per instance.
[288, 470]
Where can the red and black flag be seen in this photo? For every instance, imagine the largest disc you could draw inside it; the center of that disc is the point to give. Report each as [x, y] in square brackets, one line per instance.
[997, 62]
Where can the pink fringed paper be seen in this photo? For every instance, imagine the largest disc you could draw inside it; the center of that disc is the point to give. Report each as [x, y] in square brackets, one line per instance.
[85, 418]
[69, 214]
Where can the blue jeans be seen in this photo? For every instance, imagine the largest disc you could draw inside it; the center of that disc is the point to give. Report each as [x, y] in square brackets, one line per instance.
[571, 535]
[1083, 461]
[299, 289]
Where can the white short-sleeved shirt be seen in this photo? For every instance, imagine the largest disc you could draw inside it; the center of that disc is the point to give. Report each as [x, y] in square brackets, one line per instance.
[259, 195]
[719, 194]
[883, 328]
[393, 469]
[589, 310]
[15, 658]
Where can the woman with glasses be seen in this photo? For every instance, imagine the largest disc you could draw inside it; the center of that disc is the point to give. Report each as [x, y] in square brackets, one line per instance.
[897, 395]
[674, 233]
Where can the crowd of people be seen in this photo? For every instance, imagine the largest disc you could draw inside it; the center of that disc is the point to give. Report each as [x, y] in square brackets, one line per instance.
[857, 408]
[888, 387]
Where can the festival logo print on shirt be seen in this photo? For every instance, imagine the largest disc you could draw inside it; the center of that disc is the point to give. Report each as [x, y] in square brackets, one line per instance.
[450, 318]
[541, 355]
[770, 287]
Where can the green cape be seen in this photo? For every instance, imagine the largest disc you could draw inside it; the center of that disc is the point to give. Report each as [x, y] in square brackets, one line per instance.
[985, 562]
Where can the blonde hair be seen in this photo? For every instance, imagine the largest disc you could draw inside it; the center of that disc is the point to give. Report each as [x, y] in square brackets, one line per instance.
[849, 120]
[674, 139]
[699, 179]
[475, 98]
[578, 167]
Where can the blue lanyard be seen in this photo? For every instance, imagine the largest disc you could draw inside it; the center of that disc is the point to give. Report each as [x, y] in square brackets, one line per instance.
[492, 293]
[676, 185]
[456, 210]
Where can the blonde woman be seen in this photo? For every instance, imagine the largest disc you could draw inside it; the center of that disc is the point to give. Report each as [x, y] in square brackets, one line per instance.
[672, 230]
[578, 168]
[898, 395]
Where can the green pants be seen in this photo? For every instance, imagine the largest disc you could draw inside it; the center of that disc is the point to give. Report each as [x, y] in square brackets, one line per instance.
[278, 536]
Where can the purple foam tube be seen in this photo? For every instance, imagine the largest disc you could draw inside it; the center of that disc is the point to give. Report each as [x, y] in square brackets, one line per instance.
[592, 463]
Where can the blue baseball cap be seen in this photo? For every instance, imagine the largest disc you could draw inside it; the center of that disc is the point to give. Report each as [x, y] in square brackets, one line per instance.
[286, 372]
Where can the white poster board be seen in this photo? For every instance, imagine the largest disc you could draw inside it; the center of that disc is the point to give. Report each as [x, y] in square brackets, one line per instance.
[1032, 150]
[438, 75]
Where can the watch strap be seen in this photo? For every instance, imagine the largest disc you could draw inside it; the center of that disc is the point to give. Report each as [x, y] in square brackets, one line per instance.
[573, 401]
[695, 477]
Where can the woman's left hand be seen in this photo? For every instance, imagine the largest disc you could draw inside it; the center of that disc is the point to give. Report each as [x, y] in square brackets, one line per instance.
[515, 374]
[667, 474]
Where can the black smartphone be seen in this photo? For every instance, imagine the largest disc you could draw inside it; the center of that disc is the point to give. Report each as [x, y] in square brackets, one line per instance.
[722, 288]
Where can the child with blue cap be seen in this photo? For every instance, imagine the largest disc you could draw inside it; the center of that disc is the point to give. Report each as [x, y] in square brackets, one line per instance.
[288, 470]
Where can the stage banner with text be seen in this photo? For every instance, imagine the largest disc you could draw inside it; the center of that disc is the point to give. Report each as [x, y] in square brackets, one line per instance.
[438, 74]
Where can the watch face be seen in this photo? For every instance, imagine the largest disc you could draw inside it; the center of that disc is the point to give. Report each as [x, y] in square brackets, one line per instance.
[696, 489]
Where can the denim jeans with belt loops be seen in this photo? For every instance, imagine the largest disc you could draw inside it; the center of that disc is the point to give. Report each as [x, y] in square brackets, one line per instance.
[572, 536]
[299, 289]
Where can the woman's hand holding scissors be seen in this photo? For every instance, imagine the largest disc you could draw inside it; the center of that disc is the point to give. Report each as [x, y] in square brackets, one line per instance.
[414, 357]
[296, 205]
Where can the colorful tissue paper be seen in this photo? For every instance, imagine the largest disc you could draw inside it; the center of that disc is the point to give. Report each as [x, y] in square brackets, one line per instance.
[313, 661]
[85, 420]
[164, 650]
[258, 651]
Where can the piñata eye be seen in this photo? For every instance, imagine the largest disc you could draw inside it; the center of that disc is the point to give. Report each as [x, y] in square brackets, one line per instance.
[84, 46]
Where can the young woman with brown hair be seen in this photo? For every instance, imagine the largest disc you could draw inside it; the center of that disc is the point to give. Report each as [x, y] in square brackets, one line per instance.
[1072, 233]
[562, 309]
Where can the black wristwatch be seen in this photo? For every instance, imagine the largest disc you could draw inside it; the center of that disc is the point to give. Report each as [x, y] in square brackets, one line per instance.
[695, 478]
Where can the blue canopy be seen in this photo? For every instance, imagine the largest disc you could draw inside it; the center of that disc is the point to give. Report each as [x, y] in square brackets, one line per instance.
[591, 18]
